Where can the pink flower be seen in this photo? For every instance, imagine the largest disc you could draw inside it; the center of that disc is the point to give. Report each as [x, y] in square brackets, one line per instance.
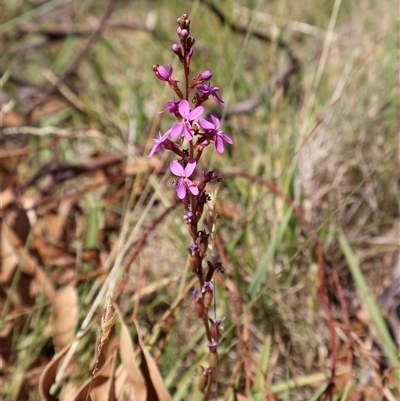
[213, 129]
[158, 143]
[187, 116]
[161, 73]
[184, 183]
[172, 107]
[209, 90]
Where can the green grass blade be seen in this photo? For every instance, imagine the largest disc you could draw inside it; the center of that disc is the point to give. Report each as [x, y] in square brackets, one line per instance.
[299, 382]
[268, 256]
[93, 222]
[366, 296]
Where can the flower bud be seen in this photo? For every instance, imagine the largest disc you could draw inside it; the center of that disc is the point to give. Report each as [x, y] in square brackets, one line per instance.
[183, 21]
[207, 291]
[213, 356]
[195, 260]
[177, 50]
[213, 360]
[206, 75]
[210, 271]
[203, 236]
[162, 73]
[220, 268]
[182, 33]
[210, 175]
[188, 216]
[198, 303]
[190, 42]
[204, 379]
[216, 327]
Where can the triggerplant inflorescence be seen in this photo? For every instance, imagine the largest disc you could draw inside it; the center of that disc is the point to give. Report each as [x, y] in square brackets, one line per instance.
[192, 137]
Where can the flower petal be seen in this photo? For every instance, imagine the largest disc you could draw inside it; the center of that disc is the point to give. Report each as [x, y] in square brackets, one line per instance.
[184, 108]
[187, 133]
[206, 125]
[217, 99]
[215, 120]
[158, 143]
[219, 144]
[153, 150]
[180, 189]
[189, 168]
[195, 113]
[225, 137]
[194, 190]
[176, 168]
[176, 130]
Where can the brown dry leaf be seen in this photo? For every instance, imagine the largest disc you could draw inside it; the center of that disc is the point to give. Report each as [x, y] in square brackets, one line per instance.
[155, 384]
[54, 226]
[68, 390]
[103, 382]
[15, 228]
[17, 219]
[122, 390]
[49, 376]
[6, 197]
[97, 386]
[51, 254]
[12, 119]
[103, 386]
[8, 255]
[240, 397]
[64, 316]
[127, 355]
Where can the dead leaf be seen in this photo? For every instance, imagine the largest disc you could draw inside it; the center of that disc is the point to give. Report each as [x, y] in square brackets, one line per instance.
[54, 226]
[12, 119]
[103, 386]
[6, 197]
[51, 254]
[34, 279]
[127, 355]
[68, 390]
[240, 397]
[49, 376]
[103, 380]
[122, 390]
[17, 219]
[64, 316]
[151, 374]
[8, 255]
